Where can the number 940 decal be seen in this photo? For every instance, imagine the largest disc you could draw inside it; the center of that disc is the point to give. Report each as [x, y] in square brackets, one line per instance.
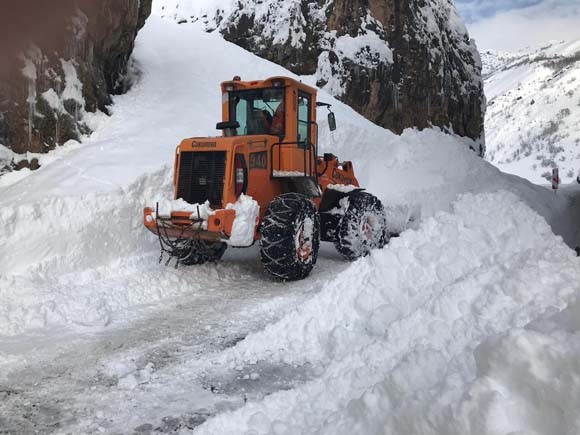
[259, 160]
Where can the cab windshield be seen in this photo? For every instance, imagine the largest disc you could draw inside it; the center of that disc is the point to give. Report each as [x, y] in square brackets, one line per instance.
[259, 111]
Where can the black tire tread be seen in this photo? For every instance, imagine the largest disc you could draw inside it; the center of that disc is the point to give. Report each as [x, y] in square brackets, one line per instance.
[197, 252]
[277, 245]
[359, 203]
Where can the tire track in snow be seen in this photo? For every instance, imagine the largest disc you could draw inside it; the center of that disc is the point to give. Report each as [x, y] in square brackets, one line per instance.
[88, 381]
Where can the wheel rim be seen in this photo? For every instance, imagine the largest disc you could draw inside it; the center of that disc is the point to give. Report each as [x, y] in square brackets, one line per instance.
[367, 228]
[303, 241]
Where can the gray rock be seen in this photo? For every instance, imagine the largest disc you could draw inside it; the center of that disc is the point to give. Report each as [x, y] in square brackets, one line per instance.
[95, 41]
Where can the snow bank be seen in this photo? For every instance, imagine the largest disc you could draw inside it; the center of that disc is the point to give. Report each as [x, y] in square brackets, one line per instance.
[198, 211]
[418, 174]
[244, 227]
[55, 251]
[397, 335]
[527, 382]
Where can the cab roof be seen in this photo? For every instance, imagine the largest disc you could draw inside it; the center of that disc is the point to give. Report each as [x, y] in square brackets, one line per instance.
[272, 82]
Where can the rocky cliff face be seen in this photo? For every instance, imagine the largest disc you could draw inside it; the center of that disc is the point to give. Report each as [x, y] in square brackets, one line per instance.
[59, 61]
[399, 63]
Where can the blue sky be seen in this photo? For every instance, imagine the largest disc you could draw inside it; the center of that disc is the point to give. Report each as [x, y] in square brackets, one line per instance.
[477, 10]
[514, 24]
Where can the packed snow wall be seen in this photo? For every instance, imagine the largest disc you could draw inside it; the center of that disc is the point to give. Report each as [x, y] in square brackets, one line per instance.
[59, 60]
[399, 64]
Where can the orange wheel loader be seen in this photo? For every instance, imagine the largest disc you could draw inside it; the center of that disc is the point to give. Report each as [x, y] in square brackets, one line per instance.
[263, 181]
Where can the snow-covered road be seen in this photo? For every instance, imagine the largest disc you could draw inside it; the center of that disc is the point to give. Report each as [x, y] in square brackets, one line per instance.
[152, 364]
[97, 337]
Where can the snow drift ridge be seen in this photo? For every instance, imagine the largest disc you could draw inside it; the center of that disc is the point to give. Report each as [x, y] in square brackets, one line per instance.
[396, 333]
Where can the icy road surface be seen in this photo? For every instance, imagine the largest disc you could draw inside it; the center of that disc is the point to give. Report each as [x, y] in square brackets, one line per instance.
[153, 364]
[97, 337]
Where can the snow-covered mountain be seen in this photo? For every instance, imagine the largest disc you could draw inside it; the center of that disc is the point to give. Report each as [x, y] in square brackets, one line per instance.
[466, 324]
[399, 64]
[533, 116]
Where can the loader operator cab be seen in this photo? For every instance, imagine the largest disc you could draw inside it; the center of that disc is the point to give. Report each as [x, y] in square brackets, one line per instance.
[280, 113]
[259, 111]
[279, 106]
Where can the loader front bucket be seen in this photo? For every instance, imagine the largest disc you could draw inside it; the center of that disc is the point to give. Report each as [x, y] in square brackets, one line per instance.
[180, 225]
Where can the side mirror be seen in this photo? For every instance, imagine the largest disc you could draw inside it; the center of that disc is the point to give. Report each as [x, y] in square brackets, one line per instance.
[331, 121]
[229, 127]
[329, 157]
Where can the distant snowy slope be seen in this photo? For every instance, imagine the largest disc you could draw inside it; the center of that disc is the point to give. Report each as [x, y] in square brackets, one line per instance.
[493, 61]
[533, 116]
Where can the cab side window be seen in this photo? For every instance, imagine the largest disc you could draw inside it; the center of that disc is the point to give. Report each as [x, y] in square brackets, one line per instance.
[241, 111]
[304, 110]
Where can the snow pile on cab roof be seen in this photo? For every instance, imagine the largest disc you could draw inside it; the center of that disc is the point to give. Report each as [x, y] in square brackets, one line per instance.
[402, 336]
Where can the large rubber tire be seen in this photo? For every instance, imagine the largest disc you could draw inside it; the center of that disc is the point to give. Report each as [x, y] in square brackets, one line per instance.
[195, 252]
[362, 228]
[290, 237]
